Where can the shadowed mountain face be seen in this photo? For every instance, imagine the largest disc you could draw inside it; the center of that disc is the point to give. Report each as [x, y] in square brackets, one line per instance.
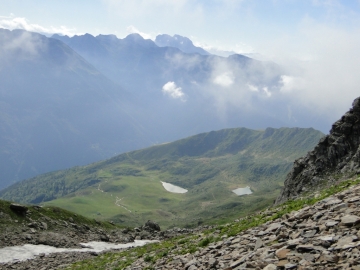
[57, 110]
[336, 155]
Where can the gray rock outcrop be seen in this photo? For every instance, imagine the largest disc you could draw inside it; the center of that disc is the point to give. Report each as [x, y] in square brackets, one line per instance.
[336, 154]
[18, 208]
[151, 226]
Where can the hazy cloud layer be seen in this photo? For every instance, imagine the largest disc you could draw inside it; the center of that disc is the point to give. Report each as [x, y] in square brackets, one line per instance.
[25, 45]
[323, 79]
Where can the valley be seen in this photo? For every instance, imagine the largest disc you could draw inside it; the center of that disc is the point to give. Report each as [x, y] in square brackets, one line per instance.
[135, 153]
[128, 189]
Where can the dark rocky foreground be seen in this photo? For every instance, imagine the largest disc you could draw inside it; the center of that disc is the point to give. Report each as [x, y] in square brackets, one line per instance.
[322, 236]
[336, 154]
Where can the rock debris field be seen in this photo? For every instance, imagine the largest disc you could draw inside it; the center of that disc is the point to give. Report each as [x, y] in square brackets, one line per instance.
[322, 236]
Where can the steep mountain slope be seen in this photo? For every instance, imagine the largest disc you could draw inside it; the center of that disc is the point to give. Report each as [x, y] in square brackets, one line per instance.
[56, 109]
[127, 188]
[336, 155]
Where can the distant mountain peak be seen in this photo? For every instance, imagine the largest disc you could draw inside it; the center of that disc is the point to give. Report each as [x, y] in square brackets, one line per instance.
[134, 36]
[139, 40]
[180, 42]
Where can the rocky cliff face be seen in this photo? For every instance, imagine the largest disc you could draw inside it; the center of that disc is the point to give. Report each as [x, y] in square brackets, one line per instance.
[336, 154]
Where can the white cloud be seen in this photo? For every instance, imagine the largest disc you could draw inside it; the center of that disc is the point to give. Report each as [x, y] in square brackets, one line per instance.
[289, 83]
[22, 23]
[172, 90]
[225, 79]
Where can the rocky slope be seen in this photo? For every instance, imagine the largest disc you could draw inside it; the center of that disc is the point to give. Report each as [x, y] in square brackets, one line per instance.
[336, 155]
[55, 227]
[322, 235]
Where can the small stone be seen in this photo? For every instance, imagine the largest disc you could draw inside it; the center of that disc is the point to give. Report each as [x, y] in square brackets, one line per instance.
[349, 220]
[212, 262]
[309, 234]
[333, 201]
[290, 266]
[270, 267]
[273, 227]
[282, 263]
[354, 199]
[190, 263]
[293, 243]
[238, 262]
[331, 223]
[339, 206]
[44, 225]
[259, 243]
[304, 248]
[328, 238]
[282, 253]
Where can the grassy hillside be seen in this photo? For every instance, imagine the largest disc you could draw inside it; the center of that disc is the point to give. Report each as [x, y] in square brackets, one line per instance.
[11, 219]
[127, 188]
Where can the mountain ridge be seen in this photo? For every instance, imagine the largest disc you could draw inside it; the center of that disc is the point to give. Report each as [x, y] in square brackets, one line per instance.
[180, 42]
[336, 155]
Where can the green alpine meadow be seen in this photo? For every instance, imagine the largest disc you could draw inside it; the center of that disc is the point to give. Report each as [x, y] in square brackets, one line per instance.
[128, 189]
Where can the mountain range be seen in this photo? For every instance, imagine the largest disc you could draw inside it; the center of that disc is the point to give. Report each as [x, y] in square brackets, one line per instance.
[69, 101]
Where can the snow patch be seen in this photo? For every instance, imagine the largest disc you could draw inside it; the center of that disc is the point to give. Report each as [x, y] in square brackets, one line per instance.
[172, 188]
[26, 252]
[242, 191]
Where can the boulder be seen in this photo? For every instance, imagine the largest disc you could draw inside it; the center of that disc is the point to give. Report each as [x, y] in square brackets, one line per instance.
[18, 208]
[151, 226]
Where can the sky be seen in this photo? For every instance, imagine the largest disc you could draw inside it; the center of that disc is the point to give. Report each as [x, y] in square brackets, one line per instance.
[317, 41]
